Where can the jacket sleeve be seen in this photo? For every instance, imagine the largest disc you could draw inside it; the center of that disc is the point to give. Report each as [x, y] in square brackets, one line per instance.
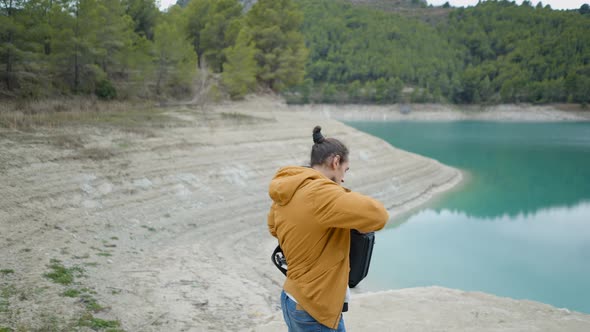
[271, 221]
[338, 207]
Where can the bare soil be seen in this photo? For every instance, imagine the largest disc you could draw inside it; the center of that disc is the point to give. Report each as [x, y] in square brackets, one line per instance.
[162, 226]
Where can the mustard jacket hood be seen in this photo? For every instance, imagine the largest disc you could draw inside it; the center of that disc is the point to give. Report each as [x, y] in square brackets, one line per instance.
[287, 180]
[312, 216]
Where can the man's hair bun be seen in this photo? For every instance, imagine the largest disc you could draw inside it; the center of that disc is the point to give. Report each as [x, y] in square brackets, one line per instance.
[317, 135]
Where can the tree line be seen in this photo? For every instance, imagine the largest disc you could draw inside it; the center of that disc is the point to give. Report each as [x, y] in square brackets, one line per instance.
[129, 49]
[495, 52]
[309, 50]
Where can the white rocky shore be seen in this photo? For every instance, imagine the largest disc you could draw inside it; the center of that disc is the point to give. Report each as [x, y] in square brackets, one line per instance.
[169, 225]
[442, 112]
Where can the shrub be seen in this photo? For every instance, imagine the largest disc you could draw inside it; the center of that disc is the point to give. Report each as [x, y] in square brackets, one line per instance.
[105, 90]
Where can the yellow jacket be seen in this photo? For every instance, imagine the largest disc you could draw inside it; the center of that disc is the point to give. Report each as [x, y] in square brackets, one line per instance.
[312, 217]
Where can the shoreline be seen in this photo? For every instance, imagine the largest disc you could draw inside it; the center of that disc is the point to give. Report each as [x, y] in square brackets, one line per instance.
[444, 112]
[168, 221]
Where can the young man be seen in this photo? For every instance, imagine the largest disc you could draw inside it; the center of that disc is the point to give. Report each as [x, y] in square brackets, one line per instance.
[312, 215]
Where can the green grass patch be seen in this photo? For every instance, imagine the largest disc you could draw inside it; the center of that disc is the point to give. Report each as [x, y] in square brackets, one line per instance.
[4, 305]
[96, 324]
[71, 292]
[5, 329]
[90, 303]
[7, 291]
[61, 274]
[104, 254]
[5, 272]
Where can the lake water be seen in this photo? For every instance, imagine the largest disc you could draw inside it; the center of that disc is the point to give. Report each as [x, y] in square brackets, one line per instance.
[520, 227]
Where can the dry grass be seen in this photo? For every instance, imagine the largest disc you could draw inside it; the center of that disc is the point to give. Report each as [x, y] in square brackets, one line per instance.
[53, 113]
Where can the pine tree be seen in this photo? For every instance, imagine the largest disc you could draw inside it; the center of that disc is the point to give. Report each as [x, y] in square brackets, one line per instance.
[18, 48]
[280, 50]
[220, 32]
[239, 75]
[213, 25]
[174, 59]
[145, 14]
[196, 13]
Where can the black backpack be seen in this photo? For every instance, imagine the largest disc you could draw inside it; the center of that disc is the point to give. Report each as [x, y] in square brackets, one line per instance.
[361, 250]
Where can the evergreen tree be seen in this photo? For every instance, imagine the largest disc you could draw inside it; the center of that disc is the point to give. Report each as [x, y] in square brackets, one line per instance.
[174, 59]
[280, 50]
[19, 48]
[196, 13]
[88, 42]
[213, 25]
[145, 14]
[239, 75]
[220, 31]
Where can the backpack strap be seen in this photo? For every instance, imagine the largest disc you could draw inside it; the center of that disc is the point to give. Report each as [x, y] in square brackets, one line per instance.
[279, 260]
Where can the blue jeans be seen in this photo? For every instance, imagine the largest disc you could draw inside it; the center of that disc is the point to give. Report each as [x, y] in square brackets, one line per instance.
[301, 321]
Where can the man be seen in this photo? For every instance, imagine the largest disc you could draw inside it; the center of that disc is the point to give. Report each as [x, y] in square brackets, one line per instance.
[312, 215]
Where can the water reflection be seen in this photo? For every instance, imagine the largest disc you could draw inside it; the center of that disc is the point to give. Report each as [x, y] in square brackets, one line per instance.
[519, 228]
[541, 256]
[516, 167]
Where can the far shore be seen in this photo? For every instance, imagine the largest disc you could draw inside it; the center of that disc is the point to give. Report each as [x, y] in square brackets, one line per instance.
[447, 112]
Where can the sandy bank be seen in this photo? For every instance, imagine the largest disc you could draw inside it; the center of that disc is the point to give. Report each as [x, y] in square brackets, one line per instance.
[169, 224]
[443, 309]
[439, 112]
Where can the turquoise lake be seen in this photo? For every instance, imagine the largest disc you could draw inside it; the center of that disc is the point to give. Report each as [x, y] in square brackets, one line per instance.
[520, 227]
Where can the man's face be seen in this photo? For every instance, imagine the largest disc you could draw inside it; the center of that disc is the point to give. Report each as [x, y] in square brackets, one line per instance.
[340, 169]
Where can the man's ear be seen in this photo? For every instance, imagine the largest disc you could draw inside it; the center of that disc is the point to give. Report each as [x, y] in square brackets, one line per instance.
[336, 161]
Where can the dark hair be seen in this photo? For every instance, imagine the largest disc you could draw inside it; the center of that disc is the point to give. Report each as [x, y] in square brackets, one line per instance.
[326, 148]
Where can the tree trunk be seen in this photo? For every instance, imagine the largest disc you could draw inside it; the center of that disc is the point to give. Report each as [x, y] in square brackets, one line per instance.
[76, 51]
[9, 85]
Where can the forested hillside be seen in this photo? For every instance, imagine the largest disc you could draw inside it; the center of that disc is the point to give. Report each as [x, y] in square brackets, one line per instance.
[335, 51]
[494, 52]
[129, 49]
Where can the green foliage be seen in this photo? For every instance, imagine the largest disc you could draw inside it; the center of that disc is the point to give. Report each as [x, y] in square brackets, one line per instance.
[494, 52]
[145, 14]
[105, 90]
[88, 42]
[71, 292]
[61, 274]
[526, 53]
[97, 323]
[239, 76]
[220, 31]
[382, 52]
[311, 50]
[212, 26]
[175, 60]
[6, 271]
[21, 45]
[280, 52]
